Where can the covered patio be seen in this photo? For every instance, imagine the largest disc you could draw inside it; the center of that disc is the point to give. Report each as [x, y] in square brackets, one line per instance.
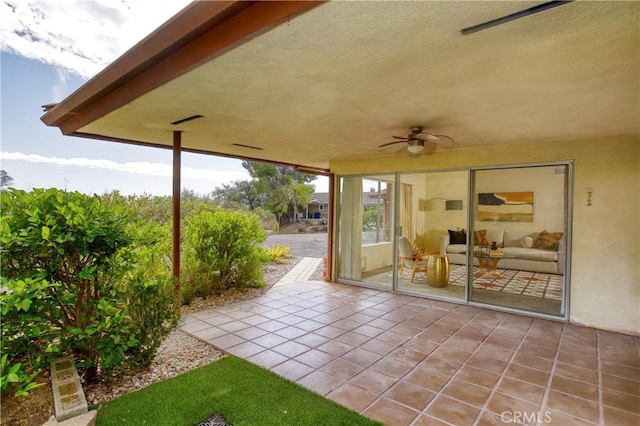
[323, 87]
[406, 360]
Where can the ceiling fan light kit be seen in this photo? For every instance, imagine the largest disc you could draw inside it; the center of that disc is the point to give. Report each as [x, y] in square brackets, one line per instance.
[415, 146]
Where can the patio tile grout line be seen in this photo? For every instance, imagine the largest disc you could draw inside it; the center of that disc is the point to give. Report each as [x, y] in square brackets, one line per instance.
[311, 348]
[600, 390]
[547, 388]
[494, 390]
[381, 395]
[336, 356]
[423, 412]
[582, 398]
[371, 338]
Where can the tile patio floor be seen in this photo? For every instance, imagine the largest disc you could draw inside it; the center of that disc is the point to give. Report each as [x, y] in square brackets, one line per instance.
[405, 360]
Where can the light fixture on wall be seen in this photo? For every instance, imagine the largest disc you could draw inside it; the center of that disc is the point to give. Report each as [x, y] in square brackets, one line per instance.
[448, 204]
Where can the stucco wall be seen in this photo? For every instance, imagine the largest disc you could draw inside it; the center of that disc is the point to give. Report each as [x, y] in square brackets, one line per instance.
[605, 284]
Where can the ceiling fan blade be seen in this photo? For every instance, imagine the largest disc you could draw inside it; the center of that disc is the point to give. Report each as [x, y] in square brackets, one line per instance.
[440, 137]
[429, 137]
[430, 147]
[400, 137]
[391, 143]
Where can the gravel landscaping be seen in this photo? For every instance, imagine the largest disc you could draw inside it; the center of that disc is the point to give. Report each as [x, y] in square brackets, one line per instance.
[177, 354]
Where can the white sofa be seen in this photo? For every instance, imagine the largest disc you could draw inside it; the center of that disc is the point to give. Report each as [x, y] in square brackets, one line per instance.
[515, 255]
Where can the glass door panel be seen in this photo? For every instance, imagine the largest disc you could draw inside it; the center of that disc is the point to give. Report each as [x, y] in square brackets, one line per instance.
[365, 230]
[431, 205]
[519, 226]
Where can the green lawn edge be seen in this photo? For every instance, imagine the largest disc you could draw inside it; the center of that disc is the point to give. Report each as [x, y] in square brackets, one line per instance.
[243, 393]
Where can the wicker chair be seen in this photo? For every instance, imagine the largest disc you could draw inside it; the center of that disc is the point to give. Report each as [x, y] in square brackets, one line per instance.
[411, 259]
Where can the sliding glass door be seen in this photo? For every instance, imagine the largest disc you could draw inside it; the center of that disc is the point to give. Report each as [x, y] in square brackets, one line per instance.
[519, 234]
[432, 206]
[366, 230]
[498, 236]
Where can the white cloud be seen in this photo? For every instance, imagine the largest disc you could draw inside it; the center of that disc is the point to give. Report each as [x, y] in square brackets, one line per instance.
[82, 36]
[140, 168]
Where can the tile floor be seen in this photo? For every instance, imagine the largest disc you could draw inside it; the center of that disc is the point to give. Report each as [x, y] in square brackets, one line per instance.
[411, 361]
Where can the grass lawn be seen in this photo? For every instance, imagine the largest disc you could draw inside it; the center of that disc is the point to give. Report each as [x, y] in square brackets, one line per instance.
[242, 392]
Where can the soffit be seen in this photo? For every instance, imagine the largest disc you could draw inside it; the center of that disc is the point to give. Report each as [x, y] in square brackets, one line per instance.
[339, 80]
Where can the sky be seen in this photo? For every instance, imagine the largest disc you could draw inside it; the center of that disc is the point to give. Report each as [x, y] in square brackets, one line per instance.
[49, 49]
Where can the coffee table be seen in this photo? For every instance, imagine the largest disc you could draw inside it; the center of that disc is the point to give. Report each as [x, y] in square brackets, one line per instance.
[488, 263]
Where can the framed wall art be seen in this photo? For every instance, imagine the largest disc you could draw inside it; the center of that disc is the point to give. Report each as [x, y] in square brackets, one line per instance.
[505, 207]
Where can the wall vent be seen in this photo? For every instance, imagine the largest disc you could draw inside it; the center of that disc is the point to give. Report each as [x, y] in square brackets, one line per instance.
[184, 120]
[248, 146]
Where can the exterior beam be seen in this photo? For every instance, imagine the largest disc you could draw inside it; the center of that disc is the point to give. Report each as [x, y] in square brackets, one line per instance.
[177, 145]
[330, 225]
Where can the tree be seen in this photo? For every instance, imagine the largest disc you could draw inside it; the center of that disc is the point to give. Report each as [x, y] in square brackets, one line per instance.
[5, 180]
[241, 194]
[286, 189]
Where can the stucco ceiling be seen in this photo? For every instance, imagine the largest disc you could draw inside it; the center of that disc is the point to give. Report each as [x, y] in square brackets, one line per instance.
[342, 78]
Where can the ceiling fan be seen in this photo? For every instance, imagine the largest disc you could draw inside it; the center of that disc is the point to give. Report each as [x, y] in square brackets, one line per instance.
[417, 138]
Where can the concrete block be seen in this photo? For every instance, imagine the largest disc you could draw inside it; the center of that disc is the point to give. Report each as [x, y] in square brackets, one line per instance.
[86, 419]
[68, 396]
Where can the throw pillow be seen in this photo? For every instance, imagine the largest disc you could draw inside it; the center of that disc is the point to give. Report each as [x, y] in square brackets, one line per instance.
[547, 240]
[526, 242]
[457, 237]
[480, 238]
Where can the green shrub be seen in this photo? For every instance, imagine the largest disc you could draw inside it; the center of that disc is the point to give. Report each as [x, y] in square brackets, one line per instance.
[221, 250]
[15, 375]
[278, 253]
[148, 291]
[75, 280]
[70, 240]
[26, 336]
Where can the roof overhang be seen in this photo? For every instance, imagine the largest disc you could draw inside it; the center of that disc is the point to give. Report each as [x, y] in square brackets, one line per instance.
[306, 83]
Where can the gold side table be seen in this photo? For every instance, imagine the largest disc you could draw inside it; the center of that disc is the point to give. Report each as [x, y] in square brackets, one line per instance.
[437, 271]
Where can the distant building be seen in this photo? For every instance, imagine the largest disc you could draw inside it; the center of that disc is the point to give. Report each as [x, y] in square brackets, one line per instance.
[318, 207]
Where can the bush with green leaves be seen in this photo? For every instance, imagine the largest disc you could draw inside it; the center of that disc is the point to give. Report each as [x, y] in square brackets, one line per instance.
[221, 250]
[148, 291]
[78, 276]
[26, 336]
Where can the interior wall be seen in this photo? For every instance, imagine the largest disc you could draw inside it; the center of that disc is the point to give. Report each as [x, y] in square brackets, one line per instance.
[548, 189]
[375, 256]
[605, 263]
[436, 219]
